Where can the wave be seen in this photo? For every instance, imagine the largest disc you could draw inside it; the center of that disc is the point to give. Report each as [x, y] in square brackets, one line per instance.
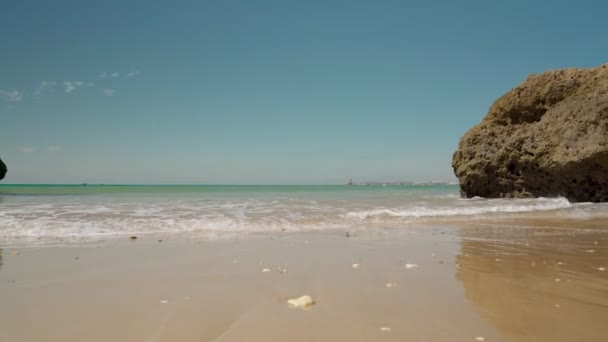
[541, 204]
[94, 217]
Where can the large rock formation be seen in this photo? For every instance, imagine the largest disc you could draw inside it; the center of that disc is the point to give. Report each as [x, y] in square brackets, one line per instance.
[2, 169]
[546, 137]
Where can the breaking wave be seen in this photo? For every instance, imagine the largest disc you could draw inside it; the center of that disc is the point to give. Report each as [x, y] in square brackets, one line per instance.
[86, 216]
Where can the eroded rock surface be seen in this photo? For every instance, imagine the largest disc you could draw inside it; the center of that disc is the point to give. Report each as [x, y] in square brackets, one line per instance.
[546, 137]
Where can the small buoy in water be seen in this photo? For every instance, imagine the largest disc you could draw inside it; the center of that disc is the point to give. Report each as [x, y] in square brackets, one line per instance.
[355, 266]
[303, 302]
[410, 266]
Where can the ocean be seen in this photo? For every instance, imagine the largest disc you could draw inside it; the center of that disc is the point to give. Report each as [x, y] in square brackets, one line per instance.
[39, 212]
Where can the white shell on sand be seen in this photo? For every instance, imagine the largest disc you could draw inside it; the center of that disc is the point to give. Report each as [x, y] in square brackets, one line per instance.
[385, 329]
[303, 302]
[266, 270]
[164, 301]
[480, 338]
[356, 265]
[601, 269]
[390, 285]
[410, 266]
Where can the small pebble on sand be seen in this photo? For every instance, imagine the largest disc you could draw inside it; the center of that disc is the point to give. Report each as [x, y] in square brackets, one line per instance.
[133, 237]
[498, 260]
[303, 302]
[557, 280]
[557, 306]
[410, 266]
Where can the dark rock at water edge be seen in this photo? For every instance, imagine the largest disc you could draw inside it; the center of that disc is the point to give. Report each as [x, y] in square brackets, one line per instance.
[546, 137]
[2, 169]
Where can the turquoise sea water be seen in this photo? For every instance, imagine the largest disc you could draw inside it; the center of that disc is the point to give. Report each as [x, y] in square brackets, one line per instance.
[56, 211]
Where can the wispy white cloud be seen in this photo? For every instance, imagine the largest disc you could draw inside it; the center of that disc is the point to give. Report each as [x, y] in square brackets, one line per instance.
[70, 86]
[12, 96]
[133, 73]
[53, 148]
[26, 149]
[109, 91]
[105, 75]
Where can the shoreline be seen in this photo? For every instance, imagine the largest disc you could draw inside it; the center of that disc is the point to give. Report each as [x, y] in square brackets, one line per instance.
[472, 280]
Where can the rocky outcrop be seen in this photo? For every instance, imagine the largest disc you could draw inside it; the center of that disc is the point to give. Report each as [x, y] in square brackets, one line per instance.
[2, 169]
[546, 137]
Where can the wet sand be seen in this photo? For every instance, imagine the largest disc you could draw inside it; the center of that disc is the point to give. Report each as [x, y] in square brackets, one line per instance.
[506, 280]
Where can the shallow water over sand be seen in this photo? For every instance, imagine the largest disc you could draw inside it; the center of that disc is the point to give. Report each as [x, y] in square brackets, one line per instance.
[519, 280]
[42, 213]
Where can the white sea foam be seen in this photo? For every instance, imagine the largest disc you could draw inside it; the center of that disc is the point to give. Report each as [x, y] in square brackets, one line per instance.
[82, 216]
[491, 206]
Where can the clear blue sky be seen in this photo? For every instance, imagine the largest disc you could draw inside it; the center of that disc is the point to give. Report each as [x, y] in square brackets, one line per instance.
[267, 91]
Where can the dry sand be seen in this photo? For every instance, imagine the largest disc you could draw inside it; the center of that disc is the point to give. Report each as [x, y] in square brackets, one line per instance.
[500, 281]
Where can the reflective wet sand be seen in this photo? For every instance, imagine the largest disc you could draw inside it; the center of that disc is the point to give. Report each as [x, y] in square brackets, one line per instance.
[504, 281]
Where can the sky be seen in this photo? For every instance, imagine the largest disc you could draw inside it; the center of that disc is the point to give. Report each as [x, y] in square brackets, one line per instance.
[267, 92]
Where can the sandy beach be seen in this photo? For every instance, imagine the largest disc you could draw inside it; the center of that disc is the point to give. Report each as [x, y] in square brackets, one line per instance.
[519, 280]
